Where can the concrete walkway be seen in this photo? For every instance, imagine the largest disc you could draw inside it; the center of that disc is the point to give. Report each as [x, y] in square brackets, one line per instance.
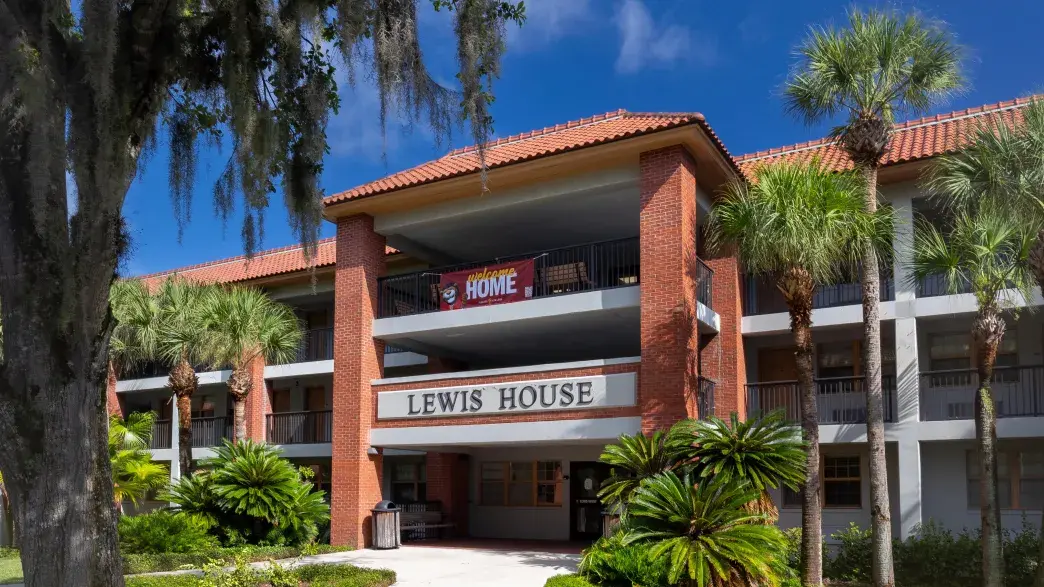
[418, 566]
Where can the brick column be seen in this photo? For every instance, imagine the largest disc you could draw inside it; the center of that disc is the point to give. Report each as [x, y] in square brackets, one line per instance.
[112, 399]
[358, 359]
[258, 403]
[667, 231]
[447, 483]
[721, 357]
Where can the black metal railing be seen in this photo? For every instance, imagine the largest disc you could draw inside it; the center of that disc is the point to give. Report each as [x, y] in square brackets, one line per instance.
[210, 431]
[760, 295]
[390, 349]
[705, 397]
[841, 400]
[299, 427]
[588, 267]
[937, 285]
[316, 345]
[1018, 391]
[160, 434]
[704, 283]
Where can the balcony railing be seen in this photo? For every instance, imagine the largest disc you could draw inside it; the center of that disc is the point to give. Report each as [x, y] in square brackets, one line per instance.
[210, 431]
[705, 397]
[316, 345]
[950, 395]
[299, 427]
[160, 434]
[589, 267]
[760, 295]
[704, 283]
[841, 400]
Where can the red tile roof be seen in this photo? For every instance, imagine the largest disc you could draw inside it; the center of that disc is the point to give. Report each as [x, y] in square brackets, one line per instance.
[577, 134]
[278, 261]
[912, 140]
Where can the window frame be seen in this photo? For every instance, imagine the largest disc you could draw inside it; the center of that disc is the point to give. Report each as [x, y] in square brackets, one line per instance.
[1013, 460]
[784, 492]
[420, 470]
[533, 481]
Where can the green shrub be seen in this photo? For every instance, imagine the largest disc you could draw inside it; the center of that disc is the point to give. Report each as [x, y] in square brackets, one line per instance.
[150, 563]
[568, 581]
[164, 531]
[849, 559]
[610, 563]
[344, 576]
[164, 581]
[275, 576]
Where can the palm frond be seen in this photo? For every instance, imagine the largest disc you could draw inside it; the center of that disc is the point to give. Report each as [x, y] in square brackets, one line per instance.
[638, 457]
[246, 323]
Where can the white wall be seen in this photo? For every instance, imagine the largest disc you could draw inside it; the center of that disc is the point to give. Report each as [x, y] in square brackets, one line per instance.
[526, 523]
[837, 519]
[944, 482]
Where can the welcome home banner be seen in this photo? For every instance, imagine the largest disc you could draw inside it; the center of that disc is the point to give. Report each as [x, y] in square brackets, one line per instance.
[485, 286]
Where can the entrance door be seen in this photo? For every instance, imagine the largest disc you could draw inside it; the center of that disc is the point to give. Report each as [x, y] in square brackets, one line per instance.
[585, 509]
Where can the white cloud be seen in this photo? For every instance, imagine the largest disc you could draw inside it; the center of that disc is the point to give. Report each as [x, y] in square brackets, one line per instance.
[646, 43]
[547, 20]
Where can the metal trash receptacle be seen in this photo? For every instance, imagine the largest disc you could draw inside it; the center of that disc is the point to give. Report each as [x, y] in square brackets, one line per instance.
[386, 533]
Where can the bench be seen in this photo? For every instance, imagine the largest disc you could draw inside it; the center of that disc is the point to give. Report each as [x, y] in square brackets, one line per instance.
[564, 278]
[415, 525]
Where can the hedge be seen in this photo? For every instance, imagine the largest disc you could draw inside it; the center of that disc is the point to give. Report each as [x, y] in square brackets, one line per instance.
[325, 575]
[565, 581]
[134, 564]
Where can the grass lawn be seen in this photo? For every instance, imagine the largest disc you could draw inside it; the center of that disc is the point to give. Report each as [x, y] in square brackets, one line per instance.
[10, 570]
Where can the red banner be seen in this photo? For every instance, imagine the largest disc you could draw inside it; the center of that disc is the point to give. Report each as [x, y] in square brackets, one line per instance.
[484, 286]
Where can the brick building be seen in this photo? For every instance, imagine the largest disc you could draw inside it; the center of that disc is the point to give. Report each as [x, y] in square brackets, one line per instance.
[591, 309]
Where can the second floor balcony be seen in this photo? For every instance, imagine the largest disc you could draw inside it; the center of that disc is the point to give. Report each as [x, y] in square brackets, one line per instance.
[760, 295]
[306, 427]
[950, 395]
[840, 400]
[590, 267]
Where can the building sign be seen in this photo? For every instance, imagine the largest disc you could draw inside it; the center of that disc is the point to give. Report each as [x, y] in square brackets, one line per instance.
[569, 393]
[484, 286]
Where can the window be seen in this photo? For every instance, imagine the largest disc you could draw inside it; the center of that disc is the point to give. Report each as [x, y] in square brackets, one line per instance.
[1020, 480]
[409, 482]
[948, 352]
[842, 484]
[1007, 356]
[835, 360]
[521, 483]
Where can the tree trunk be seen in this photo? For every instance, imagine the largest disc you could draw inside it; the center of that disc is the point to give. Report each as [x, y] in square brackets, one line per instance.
[239, 387]
[183, 384]
[797, 288]
[881, 569]
[988, 330]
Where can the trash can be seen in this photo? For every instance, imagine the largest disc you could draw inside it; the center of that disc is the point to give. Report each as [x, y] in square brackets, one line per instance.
[386, 525]
[611, 520]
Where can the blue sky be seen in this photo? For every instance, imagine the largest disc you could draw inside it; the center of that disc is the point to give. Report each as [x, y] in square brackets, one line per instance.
[575, 58]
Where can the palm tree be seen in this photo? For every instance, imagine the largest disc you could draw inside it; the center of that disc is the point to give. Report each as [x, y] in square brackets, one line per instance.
[166, 326]
[635, 458]
[802, 225]
[988, 252]
[134, 473]
[247, 324]
[705, 531]
[882, 65]
[764, 451]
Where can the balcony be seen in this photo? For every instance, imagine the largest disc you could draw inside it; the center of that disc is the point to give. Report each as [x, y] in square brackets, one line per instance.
[316, 345]
[950, 395]
[210, 431]
[161, 430]
[704, 283]
[590, 267]
[705, 397]
[299, 427]
[841, 400]
[760, 295]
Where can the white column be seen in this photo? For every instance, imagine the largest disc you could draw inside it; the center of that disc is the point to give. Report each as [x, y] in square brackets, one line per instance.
[907, 369]
[175, 463]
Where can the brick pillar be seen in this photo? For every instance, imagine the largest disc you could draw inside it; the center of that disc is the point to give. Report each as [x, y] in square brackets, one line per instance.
[667, 231]
[258, 403]
[112, 399]
[721, 357]
[447, 483]
[358, 359]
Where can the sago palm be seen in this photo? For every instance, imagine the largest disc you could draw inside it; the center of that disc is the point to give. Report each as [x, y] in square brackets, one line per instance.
[704, 530]
[803, 226]
[882, 65]
[634, 458]
[764, 451]
[134, 474]
[987, 252]
[246, 325]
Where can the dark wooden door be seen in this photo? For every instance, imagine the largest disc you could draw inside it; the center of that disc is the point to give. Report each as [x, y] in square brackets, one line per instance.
[585, 509]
